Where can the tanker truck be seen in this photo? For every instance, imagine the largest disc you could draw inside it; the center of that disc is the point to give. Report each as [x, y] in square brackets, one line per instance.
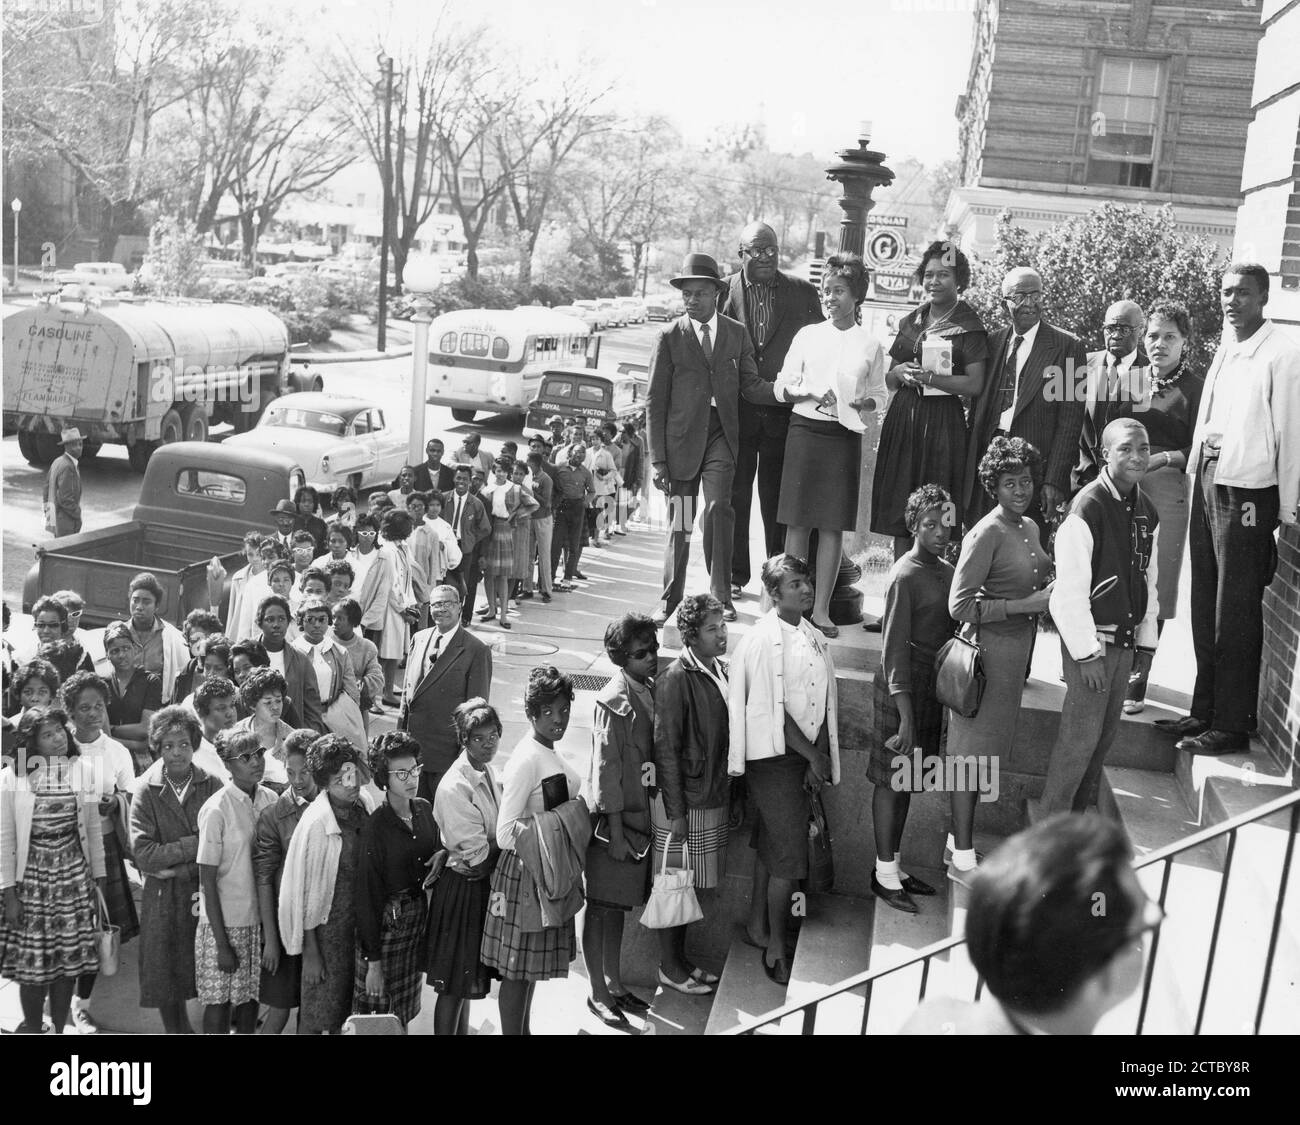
[141, 375]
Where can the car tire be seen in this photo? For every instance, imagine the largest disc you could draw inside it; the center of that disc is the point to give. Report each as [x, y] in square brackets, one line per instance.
[194, 423]
[172, 428]
[462, 415]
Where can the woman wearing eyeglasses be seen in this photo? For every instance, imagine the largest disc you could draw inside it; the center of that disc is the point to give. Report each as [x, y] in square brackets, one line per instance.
[318, 890]
[55, 641]
[923, 437]
[397, 845]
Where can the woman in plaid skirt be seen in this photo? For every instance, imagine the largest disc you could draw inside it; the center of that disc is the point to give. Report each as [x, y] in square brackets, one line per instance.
[51, 847]
[523, 957]
[509, 505]
[907, 715]
[397, 845]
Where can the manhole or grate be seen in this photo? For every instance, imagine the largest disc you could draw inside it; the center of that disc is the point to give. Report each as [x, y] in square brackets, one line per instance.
[523, 648]
[583, 681]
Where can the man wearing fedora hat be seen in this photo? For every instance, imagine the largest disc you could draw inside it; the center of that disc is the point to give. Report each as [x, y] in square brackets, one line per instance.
[63, 487]
[285, 514]
[701, 364]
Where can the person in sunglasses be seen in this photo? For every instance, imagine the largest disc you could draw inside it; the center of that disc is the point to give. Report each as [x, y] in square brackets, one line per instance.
[1052, 963]
[227, 945]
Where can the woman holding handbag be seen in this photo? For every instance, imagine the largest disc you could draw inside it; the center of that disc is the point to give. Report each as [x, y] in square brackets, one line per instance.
[165, 843]
[622, 745]
[465, 808]
[51, 847]
[690, 809]
[907, 714]
[1000, 586]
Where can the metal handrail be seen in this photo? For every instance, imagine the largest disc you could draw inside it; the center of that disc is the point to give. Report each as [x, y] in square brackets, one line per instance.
[1164, 855]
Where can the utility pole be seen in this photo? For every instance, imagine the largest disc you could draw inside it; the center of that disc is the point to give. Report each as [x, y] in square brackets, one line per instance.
[386, 64]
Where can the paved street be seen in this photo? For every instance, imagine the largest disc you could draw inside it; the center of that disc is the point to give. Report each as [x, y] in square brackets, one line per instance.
[110, 488]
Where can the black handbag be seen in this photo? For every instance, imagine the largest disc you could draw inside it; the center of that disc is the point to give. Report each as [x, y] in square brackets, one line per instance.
[821, 862]
[959, 673]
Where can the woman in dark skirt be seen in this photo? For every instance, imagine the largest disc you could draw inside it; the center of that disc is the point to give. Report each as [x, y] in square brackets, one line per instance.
[509, 505]
[134, 695]
[842, 364]
[622, 743]
[465, 808]
[397, 845]
[165, 844]
[318, 889]
[923, 438]
[907, 715]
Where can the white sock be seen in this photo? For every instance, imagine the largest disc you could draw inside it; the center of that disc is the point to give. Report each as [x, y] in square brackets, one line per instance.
[887, 873]
[901, 873]
[964, 859]
[950, 845]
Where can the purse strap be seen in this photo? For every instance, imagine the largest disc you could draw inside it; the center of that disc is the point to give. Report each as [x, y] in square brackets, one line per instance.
[686, 856]
[105, 920]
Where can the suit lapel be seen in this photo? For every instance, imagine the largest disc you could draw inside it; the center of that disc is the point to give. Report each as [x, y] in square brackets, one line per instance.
[1031, 375]
[693, 343]
[445, 659]
[780, 305]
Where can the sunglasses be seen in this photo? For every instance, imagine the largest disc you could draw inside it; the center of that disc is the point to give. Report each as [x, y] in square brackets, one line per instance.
[246, 758]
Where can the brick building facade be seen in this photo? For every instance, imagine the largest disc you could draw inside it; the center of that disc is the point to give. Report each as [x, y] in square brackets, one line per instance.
[1132, 101]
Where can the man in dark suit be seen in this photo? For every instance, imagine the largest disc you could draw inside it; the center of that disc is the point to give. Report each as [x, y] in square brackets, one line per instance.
[446, 666]
[701, 364]
[63, 487]
[1034, 392]
[471, 526]
[1116, 379]
[431, 475]
[772, 306]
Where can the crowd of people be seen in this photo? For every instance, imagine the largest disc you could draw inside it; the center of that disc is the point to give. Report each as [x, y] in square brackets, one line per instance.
[290, 860]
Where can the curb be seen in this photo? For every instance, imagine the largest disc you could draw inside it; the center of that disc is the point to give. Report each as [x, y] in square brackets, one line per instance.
[349, 357]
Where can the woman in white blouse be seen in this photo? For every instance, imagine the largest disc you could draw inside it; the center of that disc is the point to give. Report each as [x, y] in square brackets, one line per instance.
[844, 365]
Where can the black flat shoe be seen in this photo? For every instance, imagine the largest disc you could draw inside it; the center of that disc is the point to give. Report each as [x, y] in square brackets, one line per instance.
[630, 1002]
[778, 973]
[871, 626]
[1186, 727]
[915, 886]
[610, 1017]
[1214, 742]
[899, 900]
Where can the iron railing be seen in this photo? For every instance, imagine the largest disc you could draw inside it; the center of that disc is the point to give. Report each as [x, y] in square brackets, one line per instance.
[1161, 856]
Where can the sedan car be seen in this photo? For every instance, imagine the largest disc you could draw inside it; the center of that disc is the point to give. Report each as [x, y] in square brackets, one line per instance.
[592, 319]
[593, 307]
[337, 439]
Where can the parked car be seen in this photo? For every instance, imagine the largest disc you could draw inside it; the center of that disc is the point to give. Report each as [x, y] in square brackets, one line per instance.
[660, 307]
[97, 279]
[616, 313]
[337, 439]
[602, 315]
[592, 319]
[634, 308]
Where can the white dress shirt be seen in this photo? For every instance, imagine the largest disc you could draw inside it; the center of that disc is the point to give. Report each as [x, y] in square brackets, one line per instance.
[804, 672]
[699, 326]
[1026, 346]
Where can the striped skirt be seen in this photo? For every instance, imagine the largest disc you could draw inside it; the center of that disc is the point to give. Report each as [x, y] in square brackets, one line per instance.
[498, 558]
[706, 838]
[515, 953]
[57, 938]
[402, 957]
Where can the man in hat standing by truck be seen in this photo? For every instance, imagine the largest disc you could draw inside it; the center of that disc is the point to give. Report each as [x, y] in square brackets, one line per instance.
[701, 364]
[63, 487]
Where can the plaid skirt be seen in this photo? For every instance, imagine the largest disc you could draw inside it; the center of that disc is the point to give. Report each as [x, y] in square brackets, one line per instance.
[515, 953]
[706, 838]
[117, 889]
[57, 938]
[402, 956]
[498, 558]
[456, 919]
[927, 721]
[216, 987]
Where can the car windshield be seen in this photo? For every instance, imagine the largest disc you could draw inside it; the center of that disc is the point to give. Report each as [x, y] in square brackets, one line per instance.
[320, 421]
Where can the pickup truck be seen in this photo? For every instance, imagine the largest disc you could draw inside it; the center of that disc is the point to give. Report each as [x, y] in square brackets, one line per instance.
[197, 500]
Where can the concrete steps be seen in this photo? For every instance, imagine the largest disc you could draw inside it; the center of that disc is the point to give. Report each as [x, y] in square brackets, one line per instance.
[744, 992]
[834, 943]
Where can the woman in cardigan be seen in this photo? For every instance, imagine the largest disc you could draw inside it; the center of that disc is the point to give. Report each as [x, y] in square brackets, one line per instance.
[690, 758]
[397, 846]
[784, 740]
[165, 844]
[51, 847]
[1000, 585]
[509, 505]
[523, 957]
[1168, 411]
[318, 891]
[842, 364]
[465, 808]
[622, 744]
[923, 438]
[393, 570]
[134, 695]
[907, 715]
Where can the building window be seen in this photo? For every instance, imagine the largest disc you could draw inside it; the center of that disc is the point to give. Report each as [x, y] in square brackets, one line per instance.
[471, 185]
[1123, 129]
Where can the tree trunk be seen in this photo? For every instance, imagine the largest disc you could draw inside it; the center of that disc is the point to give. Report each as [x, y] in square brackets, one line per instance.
[114, 218]
[471, 255]
[526, 244]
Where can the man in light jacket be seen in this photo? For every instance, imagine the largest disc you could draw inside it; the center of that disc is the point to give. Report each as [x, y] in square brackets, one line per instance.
[63, 487]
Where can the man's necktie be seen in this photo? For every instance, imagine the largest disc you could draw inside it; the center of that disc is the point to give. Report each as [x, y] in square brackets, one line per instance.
[433, 653]
[1009, 375]
[455, 523]
[707, 345]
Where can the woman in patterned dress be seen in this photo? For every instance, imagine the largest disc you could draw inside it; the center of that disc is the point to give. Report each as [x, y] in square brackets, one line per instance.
[509, 505]
[51, 847]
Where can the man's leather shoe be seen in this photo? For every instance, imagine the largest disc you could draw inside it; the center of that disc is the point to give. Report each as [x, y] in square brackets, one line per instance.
[737, 591]
[1214, 742]
[729, 612]
[899, 899]
[1186, 727]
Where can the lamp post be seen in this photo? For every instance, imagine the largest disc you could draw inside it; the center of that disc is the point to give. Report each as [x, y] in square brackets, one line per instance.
[381, 339]
[16, 206]
[858, 171]
[421, 278]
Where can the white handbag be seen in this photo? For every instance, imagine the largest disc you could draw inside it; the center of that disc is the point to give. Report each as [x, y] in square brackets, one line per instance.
[672, 898]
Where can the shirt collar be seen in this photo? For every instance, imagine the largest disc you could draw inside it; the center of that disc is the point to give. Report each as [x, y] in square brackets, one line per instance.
[1248, 348]
[713, 328]
[760, 286]
[446, 637]
[1029, 337]
[1122, 364]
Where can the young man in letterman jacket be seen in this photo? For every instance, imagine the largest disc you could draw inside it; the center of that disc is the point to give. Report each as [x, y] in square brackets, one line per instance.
[1104, 606]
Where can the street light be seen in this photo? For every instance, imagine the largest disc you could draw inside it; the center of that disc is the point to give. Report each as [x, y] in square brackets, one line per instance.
[421, 277]
[16, 205]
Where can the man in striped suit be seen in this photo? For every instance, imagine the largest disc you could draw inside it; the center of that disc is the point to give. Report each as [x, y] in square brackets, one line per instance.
[1036, 390]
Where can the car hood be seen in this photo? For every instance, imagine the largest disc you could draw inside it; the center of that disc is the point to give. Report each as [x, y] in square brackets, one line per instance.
[302, 444]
